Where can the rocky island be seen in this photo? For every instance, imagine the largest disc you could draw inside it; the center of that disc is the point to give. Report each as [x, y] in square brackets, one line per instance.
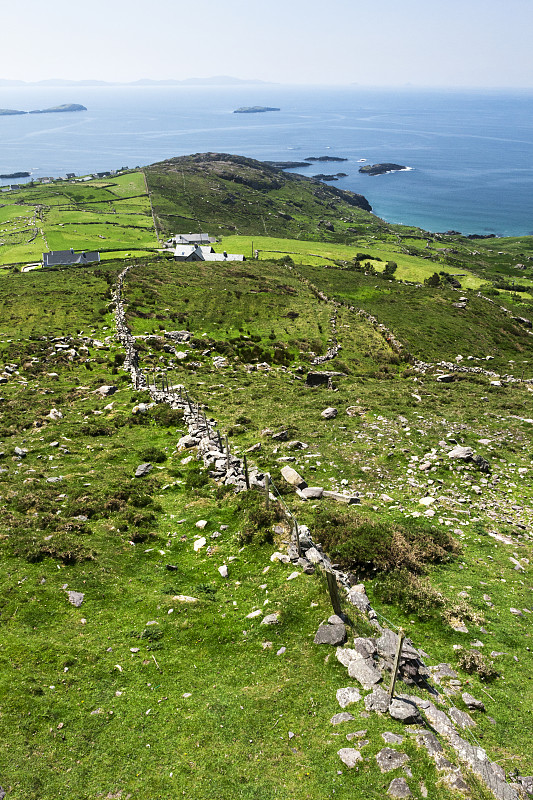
[381, 169]
[6, 112]
[254, 109]
[335, 177]
[325, 158]
[287, 164]
[15, 175]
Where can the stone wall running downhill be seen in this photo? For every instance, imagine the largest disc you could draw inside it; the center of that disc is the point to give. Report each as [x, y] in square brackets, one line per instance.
[369, 660]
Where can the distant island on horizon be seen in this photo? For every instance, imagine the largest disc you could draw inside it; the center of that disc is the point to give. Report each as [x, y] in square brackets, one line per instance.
[66, 107]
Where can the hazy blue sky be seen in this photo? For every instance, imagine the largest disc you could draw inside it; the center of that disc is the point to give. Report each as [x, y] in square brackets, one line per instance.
[383, 42]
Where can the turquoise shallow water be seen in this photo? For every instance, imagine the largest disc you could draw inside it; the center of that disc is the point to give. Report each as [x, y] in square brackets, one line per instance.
[471, 153]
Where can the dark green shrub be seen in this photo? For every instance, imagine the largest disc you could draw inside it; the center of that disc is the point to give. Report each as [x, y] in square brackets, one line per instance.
[166, 416]
[257, 519]
[153, 455]
[367, 546]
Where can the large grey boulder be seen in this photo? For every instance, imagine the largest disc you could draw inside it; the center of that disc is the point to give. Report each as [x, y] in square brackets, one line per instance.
[405, 711]
[312, 492]
[378, 700]
[364, 671]
[359, 600]
[331, 634]
[291, 476]
[329, 413]
[462, 453]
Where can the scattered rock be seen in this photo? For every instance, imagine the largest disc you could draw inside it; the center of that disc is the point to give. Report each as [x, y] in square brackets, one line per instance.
[329, 413]
[184, 598]
[462, 453]
[199, 543]
[391, 738]
[343, 716]
[349, 756]
[472, 703]
[270, 619]
[106, 391]
[143, 469]
[76, 598]
[399, 788]
[347, 696]
[223, 570]
[389, 759]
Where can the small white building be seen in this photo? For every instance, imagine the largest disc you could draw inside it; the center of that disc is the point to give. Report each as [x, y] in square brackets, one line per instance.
[189, 252]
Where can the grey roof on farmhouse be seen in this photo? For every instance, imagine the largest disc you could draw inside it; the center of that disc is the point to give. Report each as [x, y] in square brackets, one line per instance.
[57, 257]
[193, 238]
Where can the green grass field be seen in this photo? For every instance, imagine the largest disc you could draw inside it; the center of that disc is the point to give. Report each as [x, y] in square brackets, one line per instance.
[113, 216]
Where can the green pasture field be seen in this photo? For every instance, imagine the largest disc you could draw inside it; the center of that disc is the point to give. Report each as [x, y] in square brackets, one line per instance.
[111, 215]
[410, 268]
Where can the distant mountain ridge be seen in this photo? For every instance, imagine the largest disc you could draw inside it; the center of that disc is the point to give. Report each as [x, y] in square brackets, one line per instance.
[217, 80]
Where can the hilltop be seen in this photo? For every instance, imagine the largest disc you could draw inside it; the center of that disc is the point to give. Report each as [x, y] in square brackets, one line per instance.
[158, 622]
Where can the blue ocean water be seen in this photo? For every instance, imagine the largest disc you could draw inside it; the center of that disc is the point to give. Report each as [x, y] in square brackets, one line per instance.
[471, 153]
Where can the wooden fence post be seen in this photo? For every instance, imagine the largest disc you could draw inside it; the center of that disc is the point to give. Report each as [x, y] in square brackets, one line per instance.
[334, 592]
[227, 453]
[297, 535]
[267, 490]
[246, 476]
[401, 637]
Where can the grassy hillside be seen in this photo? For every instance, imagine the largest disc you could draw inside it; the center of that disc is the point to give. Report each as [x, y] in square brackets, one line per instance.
[138, 691]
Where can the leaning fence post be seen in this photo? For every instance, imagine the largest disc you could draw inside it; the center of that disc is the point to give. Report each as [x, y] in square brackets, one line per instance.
[334, 592]
[227, 453]
[246, 476]
[220, 442]
[401, 637]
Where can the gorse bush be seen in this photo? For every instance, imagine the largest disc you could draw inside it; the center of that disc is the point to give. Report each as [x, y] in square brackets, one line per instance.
[367, 546]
